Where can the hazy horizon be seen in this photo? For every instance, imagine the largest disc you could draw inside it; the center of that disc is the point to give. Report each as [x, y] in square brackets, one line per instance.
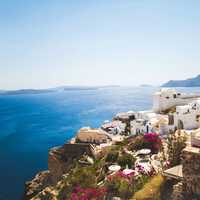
[48, 43]
[102, 85]
[75, 86]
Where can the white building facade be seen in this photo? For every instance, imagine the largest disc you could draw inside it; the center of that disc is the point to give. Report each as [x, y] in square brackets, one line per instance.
[166, 98]
[187, 116]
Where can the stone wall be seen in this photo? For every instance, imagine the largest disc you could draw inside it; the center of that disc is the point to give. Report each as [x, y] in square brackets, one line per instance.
[178, 192]
[191, 172]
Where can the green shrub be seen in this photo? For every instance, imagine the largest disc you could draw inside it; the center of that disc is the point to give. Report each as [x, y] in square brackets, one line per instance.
[112, 156]
[151, 190]
[175, 143]
[126, 160]
[84, 177]
[125, 189]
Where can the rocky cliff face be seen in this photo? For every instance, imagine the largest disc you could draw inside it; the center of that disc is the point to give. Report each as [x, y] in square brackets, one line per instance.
[40, 182]
[60, 161]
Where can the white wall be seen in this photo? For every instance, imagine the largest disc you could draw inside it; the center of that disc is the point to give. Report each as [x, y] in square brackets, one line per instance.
[167, 99]
[189, 120]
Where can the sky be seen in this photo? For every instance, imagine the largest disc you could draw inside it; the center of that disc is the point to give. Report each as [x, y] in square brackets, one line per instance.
[48, 43]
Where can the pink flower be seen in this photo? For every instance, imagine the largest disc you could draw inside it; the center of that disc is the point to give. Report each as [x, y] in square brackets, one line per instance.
[153, 141]
[88, 193]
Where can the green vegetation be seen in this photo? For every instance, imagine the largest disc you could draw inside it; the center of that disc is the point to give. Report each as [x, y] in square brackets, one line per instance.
[126, 160]
[112, 156]
[124, 186]
[84, 177]
[176, 143]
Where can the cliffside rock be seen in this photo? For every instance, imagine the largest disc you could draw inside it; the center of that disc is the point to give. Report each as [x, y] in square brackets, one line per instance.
[41, 181]
[58, 164]
[47, 194]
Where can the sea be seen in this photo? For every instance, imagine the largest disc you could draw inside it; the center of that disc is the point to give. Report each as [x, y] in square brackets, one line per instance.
[31, 124]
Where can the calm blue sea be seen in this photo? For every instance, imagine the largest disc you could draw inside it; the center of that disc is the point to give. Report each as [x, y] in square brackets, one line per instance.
[31, 124]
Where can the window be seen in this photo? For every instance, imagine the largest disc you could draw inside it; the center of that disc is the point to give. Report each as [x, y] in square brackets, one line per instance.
[198, 118]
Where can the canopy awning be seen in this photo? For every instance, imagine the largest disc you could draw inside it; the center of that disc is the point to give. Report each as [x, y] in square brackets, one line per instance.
[174, 172]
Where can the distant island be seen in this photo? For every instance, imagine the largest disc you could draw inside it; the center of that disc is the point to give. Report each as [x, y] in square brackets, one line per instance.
[191, 82]
[145, 85]
[25, 91]
[57, 89]
[68, 88]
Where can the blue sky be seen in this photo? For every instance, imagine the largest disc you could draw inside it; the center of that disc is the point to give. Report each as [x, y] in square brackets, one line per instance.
[47, 43]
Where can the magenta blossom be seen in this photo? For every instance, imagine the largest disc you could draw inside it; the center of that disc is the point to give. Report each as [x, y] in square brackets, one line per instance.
[88, 193]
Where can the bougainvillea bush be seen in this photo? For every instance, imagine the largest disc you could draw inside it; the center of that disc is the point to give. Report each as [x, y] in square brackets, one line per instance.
[148, 140]
[88, 193]
[153, 142]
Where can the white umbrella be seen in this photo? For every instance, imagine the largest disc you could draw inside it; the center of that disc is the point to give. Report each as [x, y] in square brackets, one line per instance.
[144, 151]
[114, 168]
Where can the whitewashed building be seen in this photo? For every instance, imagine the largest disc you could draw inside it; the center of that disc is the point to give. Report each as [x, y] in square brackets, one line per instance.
[187, 116]
[167, 98]
[140, 126]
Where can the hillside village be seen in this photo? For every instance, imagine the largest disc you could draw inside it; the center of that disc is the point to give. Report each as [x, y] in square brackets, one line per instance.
[152, 154]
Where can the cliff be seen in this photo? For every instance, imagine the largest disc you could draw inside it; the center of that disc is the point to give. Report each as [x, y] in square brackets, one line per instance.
[60, 161]
[191, 82]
